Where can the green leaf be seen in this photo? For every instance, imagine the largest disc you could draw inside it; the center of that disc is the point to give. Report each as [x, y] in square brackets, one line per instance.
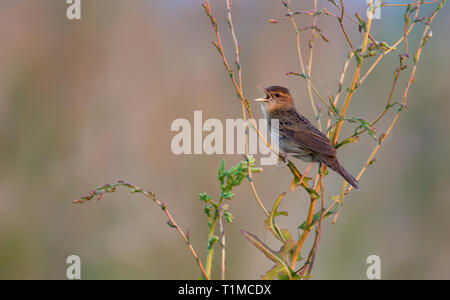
[349, 140]
[269, 253]
[294, 276]
[212, 241]
[221, 174]
[286, 234]
[228, 216]
[204, 197]
[316, 217]
[334, 2]
[364, 124]
[269, 222]
[287, 248]
[281, 213]
[228, 195]
[170, 223]
[296, 181]
[273, 272]
[358, 58]
[303, 75]
[207, 210]
[362, 24]
[312, 193]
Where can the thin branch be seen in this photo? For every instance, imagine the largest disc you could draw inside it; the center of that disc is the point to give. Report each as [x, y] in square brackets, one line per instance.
[360, 54]
[111, 188]
[222, 242]
[425, 36]
[405, 97]
[392, 48]
[300, 57]
[313, 253]
[236, 44]
[388, 104]
[406, 4]
[355, 77]
[218, 45]
[308, 228]
[341, 23]
[244, 112]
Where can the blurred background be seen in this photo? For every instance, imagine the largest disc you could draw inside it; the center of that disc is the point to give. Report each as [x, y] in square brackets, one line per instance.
[91, 101]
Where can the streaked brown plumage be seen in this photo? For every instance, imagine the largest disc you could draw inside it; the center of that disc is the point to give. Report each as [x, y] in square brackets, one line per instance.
[297, 136]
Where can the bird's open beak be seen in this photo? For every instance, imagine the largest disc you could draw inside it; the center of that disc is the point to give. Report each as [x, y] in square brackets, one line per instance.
[260, 100]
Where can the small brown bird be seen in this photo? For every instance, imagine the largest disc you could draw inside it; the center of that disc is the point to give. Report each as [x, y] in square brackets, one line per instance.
[297, 136]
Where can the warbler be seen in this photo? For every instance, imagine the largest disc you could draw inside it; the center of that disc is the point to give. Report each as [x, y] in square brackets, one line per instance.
[297, 136]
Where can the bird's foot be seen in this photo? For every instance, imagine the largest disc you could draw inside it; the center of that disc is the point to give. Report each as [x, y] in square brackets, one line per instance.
[303, 179]
[283, 159]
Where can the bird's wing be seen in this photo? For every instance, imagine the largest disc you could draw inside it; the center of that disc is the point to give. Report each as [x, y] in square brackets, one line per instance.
[299, 129]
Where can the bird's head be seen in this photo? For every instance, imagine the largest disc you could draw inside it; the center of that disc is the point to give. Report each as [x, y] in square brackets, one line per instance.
[277, 98]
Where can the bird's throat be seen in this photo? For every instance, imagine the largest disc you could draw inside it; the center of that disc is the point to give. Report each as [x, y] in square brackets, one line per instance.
[263, 108]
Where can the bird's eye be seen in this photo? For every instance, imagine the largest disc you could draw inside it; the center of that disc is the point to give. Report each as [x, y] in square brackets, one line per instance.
[277, 95]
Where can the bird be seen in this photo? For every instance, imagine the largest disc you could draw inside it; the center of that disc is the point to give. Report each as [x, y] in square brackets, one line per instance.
[297, 136]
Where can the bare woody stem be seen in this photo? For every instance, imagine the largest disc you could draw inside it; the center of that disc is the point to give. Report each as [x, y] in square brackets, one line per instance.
[217, 218]
[111, 188]
[417, 57]
[244, 114]
[312, 206]
[392, 48]
[356, 75]
[309, 264]
[406, 4]
[357, 80]
[341, 22]
[382, 139]
[300, 56]
[311, 52]
[222, 244]
[245, 104]
[219, 47]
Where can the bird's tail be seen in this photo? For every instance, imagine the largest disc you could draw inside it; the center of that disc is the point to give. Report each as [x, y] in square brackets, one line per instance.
[334, 164]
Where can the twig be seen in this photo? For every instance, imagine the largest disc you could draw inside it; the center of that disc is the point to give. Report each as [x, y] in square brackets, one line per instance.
[219, 47]
[222, 242]
[355, 77]
[406, 4]
[244, 112]
[388, 104]
[212, 228]
[305, 270]
[307, 230]
[341, 23]
[425, 37]
[392, 48]
[405, 94]
[236, 43]
[300, 57]
[111, 188]
[359, 54]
